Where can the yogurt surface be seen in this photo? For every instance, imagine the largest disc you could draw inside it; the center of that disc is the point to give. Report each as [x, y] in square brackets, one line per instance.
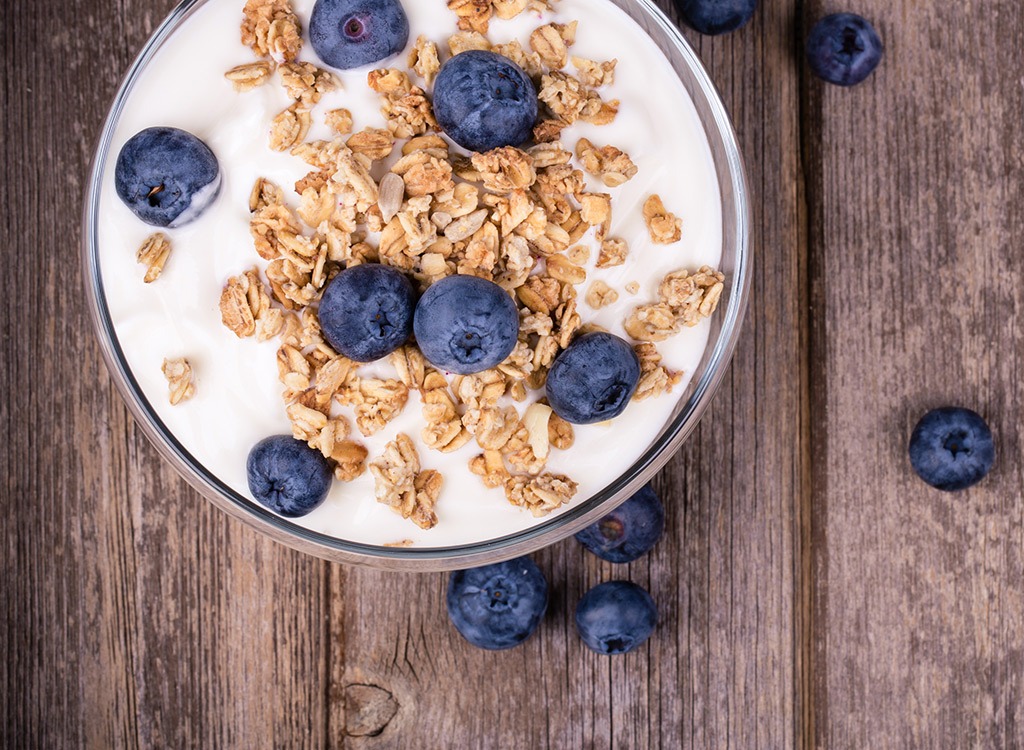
[238, 394]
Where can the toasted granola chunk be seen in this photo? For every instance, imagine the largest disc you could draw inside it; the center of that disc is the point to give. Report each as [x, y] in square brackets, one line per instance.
[542, 494]
[305, 82]
[595, 74]
[401, 485]
[552, 42]
[424, 60]
[243, 302]
[339, 120]
[249, 76]
[153, 254]
[179, 380]
[271, 29]
[611, 164]
[473, 15]
[601, 295]
[663, 226]
[613, 252]
[655, 379]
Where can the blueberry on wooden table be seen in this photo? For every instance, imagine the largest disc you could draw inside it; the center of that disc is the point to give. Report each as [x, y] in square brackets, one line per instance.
[465, 324]
[593, 379]
[349, 34]
[843, 49]
[497, 606]
[288, 476]
[628, 532]
[483, 101]
[366, 311]
[716, 16]
[951, 448]
[615, 617]
[166, 176]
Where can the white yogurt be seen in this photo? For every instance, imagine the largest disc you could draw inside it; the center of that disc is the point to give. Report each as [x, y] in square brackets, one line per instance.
[238, 395]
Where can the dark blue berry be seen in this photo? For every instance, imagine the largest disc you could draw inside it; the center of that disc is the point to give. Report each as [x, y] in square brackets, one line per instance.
[843, 49]
[951, 448]
[366, 311]
[593, 379]
[352, 33]
[465, 324]
[497, 606]
[483, 100]
[166, 176]
[615, 617]
[288, 476]
[716, 16]
[629, 531]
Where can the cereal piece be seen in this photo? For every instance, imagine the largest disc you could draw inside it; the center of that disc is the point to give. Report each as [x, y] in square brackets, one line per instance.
[596, 210]
[564, 95]
[401, 485]
[243, 302]
[411, 366]
[595, 74]
[490, 466]
[307, 422]
[633, 287]
[505, 169]
[380, 402]
[612, 165]
[271, 29]
[250, 75]
[560, 433]
[405, 107]
[664, 227]
[400, 543]
[289, 127]
[473, 15]
[541, 494]
[153, 254]
[264, 193]
[654, 378]
[508, 9]
[465, 41]
[350, 459]
[339, 120]
[423, 59]
[613, 252]
[306, 83]
[179, 380]
[561, 268]
[652, 322]
[375, 143]
[530, 62]
[537, 420]
[578, 254]
[693, 296]
[601, 295]
[552, 41]
[548, 131]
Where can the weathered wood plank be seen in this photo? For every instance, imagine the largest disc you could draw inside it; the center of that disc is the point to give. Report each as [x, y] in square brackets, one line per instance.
[134, 614]
[914, 183]
[725, 665]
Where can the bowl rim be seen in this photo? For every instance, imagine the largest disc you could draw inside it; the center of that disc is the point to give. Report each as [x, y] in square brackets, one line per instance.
[423, 559]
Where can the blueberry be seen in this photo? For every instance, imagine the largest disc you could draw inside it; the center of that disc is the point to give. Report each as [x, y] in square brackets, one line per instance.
[366, 311]
[288, 476]
[615, 617]
[629, 531]
[166, 176]
[716, 16]
[843, 49]
[483, 100]
[497, 606]
[465, 324]
[594, 379]
[951, 448]
[352, 33]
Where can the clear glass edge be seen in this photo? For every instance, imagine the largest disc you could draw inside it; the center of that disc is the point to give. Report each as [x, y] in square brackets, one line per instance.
[440, 558]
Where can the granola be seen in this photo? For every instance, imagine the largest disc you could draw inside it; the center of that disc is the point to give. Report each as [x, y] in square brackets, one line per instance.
[402, 486]
[179, 380]
[271, 29]
[664, 227]
[153, 255]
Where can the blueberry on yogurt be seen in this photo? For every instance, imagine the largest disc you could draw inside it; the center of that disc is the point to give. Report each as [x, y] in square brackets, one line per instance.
[615, 617]
[593, 379]
[349, 34]
[497, 606]
[465, 324]
[366, 311]
[166, 176]
[629, 531]
[288, 476]
[483, 101]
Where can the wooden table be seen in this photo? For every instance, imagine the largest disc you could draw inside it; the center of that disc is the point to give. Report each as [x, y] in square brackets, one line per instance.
[813, 592]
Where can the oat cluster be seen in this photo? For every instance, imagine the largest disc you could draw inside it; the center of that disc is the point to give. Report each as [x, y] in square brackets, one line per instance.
[515, 216]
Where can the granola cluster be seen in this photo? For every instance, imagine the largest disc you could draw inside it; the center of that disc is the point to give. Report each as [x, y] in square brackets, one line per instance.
[515, 216]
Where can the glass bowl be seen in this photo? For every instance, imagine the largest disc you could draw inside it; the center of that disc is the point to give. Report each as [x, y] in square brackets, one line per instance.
[686, 412]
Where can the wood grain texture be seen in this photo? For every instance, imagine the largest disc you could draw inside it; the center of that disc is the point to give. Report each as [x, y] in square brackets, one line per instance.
[135, 615]
[914, 181]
